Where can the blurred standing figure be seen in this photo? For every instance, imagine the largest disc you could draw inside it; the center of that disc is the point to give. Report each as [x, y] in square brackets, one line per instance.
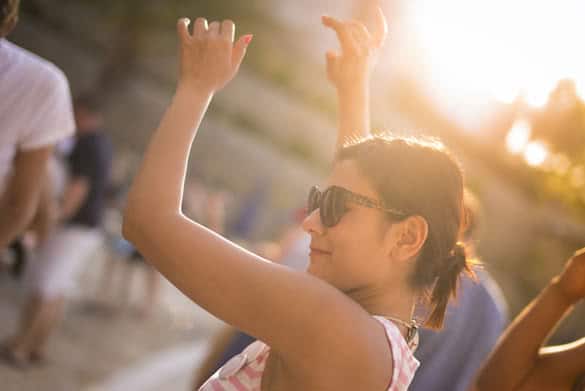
[35, 113]
[42, 224]
[51, 275]
[215, 209]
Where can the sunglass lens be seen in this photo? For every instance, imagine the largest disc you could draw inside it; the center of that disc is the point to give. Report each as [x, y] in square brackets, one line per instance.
[313, 199]
[333, 206]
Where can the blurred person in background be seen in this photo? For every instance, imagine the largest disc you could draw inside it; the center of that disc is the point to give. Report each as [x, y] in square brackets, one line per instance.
[123, 262]
[52, 274]
[42, 223]
[35, 114]
[115, 288]
[136, 264]
[18, 252]
[215, 210]
[450, 358]
[195, 199]
[118, 249]
[383, 233]
[519, 362]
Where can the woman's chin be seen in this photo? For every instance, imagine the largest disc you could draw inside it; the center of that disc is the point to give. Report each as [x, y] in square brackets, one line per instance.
[311, 270]
[318, 272]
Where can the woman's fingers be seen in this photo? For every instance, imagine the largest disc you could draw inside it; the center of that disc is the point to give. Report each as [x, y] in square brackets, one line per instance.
[330, 55]
[361, 36]
[225, 29]
[228, 29]
[332, 63]
[343, 32]
[200, 28]
[572, 278]
[211, 59]
[359, 31]
[239, 51]
[379, 29]
[213, 29]
[183, 29]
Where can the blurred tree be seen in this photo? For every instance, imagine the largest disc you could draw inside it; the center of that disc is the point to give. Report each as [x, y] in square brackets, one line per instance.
[562, 121]
[561, 124]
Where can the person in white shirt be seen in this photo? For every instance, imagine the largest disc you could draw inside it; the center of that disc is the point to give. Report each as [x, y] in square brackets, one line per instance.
[35, 113]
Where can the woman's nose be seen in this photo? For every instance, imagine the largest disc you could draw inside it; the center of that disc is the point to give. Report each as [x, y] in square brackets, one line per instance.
[312, 223]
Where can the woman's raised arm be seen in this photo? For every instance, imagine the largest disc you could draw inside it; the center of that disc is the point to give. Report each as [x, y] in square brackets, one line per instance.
[562, 364]
[350, 71]
[208, 61]
[288, 310]
[517, 352]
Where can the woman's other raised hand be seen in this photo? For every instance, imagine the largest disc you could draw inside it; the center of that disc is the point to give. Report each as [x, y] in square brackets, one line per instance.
[572, 279]
[209, 58]
[359, 46]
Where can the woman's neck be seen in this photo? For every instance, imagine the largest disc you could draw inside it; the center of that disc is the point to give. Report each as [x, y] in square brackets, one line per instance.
[387, 300]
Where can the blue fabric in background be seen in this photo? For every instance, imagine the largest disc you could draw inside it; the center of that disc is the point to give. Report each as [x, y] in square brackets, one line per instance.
[238, 343]
[451, 358]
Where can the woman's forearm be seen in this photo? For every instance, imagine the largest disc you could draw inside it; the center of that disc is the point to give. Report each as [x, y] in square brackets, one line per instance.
[563, 361]
[350, 71]
[354, 112]
[517, 351]
[158, 186]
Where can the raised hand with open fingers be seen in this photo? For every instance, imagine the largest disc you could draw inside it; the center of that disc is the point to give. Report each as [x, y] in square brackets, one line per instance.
[209, 58]
[359, 46]
[572, 280]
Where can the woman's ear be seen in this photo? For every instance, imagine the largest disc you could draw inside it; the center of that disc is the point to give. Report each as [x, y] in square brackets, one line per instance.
[407, 237]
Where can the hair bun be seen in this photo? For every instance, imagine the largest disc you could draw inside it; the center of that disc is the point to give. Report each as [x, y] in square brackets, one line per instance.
[458, 258]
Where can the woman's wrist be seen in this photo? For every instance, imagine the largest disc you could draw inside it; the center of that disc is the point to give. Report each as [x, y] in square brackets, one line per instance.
[191, 90]
[556, 288]
[353, 94]
[358, 86]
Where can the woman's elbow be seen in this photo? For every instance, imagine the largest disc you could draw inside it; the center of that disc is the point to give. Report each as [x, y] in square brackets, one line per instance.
[130, 224]
[138, 227]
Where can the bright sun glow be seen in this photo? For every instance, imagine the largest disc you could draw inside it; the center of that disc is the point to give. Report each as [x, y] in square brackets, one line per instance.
[501, 48]
[535, 153]
[518, 136]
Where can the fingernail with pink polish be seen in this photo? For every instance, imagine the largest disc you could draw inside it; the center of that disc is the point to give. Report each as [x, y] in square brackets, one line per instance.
[247, 39]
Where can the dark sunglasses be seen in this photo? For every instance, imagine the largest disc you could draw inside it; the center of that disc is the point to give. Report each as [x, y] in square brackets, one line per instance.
[332, 204]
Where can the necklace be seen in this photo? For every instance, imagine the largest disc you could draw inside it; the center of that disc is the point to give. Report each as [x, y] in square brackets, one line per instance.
[412, 330]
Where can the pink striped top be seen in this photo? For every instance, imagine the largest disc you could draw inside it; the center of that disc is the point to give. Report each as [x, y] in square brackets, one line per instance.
[244, 371]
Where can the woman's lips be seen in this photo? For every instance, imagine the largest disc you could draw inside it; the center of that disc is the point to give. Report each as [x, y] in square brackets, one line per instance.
[316, 251]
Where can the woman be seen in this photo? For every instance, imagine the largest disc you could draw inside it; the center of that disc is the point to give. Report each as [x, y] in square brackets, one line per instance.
[519, 362]
[383, 233]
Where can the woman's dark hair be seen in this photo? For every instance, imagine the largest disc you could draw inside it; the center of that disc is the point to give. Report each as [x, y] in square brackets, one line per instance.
[420, 177]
